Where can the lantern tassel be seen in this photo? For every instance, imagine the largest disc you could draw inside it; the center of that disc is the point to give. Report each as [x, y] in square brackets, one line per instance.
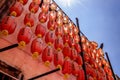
[44, 74]
[8, 47]
[110, 65]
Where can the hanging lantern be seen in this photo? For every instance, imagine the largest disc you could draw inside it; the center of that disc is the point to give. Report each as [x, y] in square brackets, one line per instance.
[24, 36]
[29, 20]
[71, 42]
[66, 51]
[45, 7]
[81, 75]
[43, 17]
[67, 68]
[107, 70]
[36, 47]
[77, 38]
[70, 26]
[94, 44]
[66, 39]
[23, 1]
[91, 71]
[58, 44]
[101, 73]
[16, 9]
[79, 60]
[110, 78]
[65, 19]
[59, 31]
[33, 7]
[84, 47]
[47, 55]
[52, 15]
[90, 78]
[46, 1]
[53, 6]
[59, 14]
[86, 57]
[40, 30]
[83, 39]
[51, 25]
[59, 22]
[8, 25]
[76, 30]
[75, 68]
[74, 54]
[78, 48]
[65, 29]
[50, 37]
[100, 52]
[37, 1]
[58, 59]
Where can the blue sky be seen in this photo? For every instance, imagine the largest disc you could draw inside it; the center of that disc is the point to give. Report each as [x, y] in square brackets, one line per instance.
[100, 22]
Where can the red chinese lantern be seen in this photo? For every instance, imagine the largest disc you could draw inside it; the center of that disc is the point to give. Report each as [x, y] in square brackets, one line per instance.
[29, 20]
[46, 1]
[90, 78]
[37, 1]
[83, 39]
[33, 7]
[8, 25]
[86, 57]
[85, 48]
[59, 31]
[16, 9]
[100, 52]
[59, 14]
[47, 55]
[66, 39]
[40, 30]
[50, 37]
[90, 71]
[94, 44]
[58, 59]
[59, 22]
[81, 75]
[24, 36]
[65, 19]
[76, 30]
[74, 54]
[65, 29]
[66, 51]
[36, 47]
[101, 74]
[107, 70]
[45, 7]
[51, 25]
[71, 42]
[79, 60]
[75, 68]
[77, 47]
[110, 78]
[52, 15]
[58, 44]
[53, 6]
[42, 17]
[77, 38]
[67, 68]
[23, 1]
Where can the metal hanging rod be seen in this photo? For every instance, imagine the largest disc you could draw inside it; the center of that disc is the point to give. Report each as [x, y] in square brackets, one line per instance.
[110, 65]
[45, 74]
[9, 47]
